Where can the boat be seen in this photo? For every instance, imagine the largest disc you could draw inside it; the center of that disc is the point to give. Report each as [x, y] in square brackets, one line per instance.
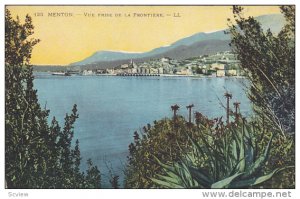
[61, 74]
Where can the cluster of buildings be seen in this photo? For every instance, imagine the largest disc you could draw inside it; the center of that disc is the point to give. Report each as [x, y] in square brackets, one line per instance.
[218, 65]
[162, 66]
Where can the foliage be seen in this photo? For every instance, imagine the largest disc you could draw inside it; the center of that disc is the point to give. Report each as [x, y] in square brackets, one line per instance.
[211, 154]
[164, 140]
[114, 181]
[37, 154]
[198, 70]
[231, 160]
[113, 177]
[269, 62]
[93, 177]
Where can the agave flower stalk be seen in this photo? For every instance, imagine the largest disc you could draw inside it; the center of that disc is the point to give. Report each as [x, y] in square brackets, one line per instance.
[189, 107]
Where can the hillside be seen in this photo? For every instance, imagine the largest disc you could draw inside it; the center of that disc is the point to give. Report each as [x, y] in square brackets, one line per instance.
[191, 46]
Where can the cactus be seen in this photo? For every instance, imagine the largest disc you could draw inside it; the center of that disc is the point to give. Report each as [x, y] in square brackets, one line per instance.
[232, 161]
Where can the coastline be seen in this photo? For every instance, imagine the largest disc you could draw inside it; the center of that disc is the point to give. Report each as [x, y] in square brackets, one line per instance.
[160, 75]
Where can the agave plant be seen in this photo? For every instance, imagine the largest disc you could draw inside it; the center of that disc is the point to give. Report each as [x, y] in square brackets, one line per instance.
[233, 160]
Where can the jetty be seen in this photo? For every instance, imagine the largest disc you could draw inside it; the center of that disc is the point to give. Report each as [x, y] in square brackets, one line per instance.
[136, 74]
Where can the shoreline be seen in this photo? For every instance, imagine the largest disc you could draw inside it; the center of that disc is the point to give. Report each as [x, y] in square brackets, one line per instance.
[160, 75]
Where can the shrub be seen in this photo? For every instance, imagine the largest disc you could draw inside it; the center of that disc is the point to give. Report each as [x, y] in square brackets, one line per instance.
[235, 157]
[37, 154]
[165, 140]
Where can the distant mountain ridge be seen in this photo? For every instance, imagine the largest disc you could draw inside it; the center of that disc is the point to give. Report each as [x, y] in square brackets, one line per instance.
[105, 56]
[194, 45]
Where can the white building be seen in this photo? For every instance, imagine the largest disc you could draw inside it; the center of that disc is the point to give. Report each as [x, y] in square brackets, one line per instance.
[134, 70]
[110, 71]
[165, 60]
[185, 71]
[218, 66]
[153, 71]
[88, 72]
[123, 66]
[231, 72]
[220, 73]
[160, 70]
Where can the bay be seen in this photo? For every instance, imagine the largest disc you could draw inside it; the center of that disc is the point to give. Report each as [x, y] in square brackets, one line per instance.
[111, 108]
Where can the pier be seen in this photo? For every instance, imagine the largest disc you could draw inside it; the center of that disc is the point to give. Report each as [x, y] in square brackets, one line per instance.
[137, 74]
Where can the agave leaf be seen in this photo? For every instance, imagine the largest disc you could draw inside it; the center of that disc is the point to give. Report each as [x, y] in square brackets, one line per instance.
[220, 159]
[242, 163]
[235, 168]
[249, 154]
[167, 184]
[173, 179]
[200, 175]
[191, 158]
[171, 174]
[249, 149]
[234, 156]
[259, 163]
[198, 147]
[236, 136]
[215, 158]
[185, 175]
[208, 147]
[227, 149]
[248, 130]
[258, 180]
[236, 132]
[188, 176]
[225, 182]
[182, 174]
[231, 163]
[165, 166]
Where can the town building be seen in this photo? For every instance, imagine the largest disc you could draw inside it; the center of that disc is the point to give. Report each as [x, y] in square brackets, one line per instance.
[218, 66]
[231, 72]
[88, 72]
[165, 60]
[220, 73]
[123, 66]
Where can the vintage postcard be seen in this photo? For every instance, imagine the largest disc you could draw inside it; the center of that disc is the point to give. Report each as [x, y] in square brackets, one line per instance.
[150, 96]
